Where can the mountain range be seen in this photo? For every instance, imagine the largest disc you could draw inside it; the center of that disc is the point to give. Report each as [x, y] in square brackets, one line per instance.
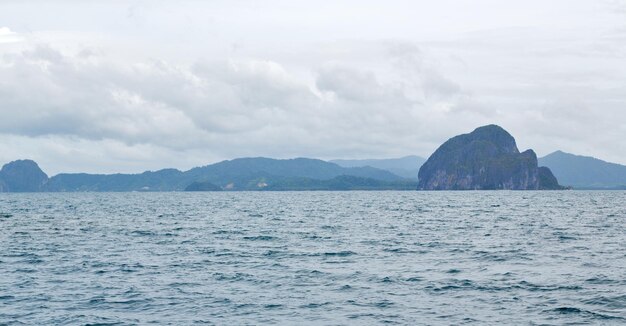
[238, 174]
[579, 172]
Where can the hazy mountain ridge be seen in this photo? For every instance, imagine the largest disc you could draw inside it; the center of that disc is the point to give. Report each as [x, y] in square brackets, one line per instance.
[585, 172]
[292, 174]
[238, 174]
[298, 167]
[579, 172]
[407, 166]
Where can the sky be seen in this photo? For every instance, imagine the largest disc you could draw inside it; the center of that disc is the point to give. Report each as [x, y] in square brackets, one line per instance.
[128, 86]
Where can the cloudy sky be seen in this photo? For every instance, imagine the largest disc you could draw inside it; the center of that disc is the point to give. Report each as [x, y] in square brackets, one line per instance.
[127, 86]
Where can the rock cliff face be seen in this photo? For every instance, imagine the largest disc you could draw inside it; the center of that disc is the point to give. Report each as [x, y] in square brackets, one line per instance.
[22, 176]
[486, 159]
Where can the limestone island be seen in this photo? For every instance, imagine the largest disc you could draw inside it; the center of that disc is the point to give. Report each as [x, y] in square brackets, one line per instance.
[485, 159]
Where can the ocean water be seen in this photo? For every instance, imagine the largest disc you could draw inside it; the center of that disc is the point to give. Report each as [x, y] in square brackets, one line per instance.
[319, 258]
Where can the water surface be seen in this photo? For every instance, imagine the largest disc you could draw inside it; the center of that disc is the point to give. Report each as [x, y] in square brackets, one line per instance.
[330, 258]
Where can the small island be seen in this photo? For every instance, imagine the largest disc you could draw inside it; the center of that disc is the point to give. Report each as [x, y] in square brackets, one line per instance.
[485, 159]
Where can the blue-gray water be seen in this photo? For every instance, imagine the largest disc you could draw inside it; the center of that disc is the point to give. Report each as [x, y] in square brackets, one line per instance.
[313, 258]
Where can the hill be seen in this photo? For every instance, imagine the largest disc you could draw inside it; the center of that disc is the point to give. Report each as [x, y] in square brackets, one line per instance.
[584, 172]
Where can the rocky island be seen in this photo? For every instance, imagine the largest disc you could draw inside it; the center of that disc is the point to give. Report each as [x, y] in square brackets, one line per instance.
[22, 176]
[485, 159]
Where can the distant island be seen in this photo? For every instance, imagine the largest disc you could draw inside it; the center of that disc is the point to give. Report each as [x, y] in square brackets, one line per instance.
[485, 159]
[22, 176]
[263, 174]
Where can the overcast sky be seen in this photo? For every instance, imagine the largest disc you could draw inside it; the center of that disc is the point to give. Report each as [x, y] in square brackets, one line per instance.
[128, 86]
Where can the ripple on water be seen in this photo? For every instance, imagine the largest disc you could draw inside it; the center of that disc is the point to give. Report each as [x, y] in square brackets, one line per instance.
[440, 258]
[584, 313]
[343, 253]
[259, 238]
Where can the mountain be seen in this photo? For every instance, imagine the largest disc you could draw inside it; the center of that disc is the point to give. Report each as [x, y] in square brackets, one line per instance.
[298, 167]
[162, 180]
[292, 174]
[281, 183]
[406, 167]
[203, 186]
[238, 174]
[487, 158]
[585, 172]
[22, 176]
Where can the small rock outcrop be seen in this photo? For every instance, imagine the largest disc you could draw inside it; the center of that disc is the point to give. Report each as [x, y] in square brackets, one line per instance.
[22, 176]
[485, 159]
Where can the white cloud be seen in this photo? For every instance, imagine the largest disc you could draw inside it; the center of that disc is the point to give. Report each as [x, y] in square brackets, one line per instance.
[7, 36]
[228, 108]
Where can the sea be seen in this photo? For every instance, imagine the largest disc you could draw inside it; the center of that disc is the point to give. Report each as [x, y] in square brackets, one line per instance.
[314, 258]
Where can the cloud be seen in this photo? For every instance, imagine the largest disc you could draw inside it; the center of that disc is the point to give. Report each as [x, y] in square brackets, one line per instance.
[7, 36]
[412, 63]
[212, 110]
[229, 108]
[45, 92]
[353, 85]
